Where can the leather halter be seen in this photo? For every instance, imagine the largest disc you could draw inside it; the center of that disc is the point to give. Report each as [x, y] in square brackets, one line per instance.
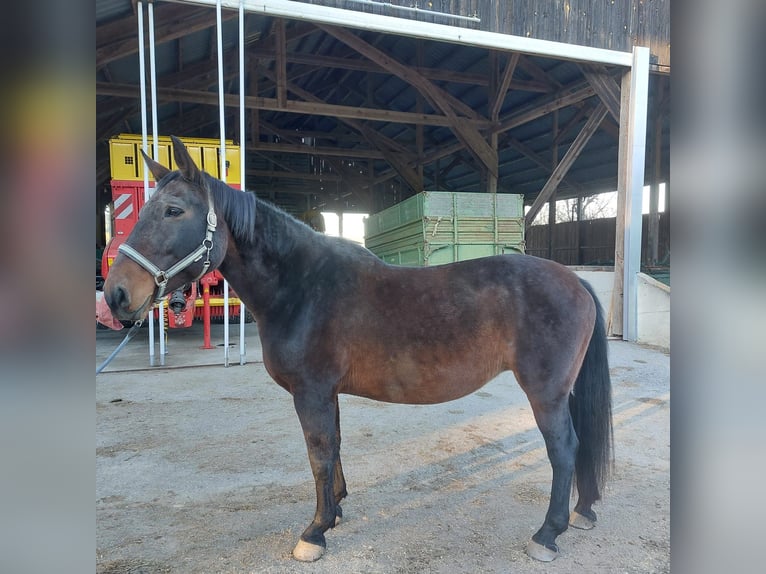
[161, 278]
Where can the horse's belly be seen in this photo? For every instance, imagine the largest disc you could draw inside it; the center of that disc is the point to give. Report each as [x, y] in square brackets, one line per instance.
[417, 384]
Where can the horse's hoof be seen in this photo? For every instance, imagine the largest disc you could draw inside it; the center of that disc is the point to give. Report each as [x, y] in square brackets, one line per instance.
[337, 520]
[540, 552]
[307, 552]
[577, 520]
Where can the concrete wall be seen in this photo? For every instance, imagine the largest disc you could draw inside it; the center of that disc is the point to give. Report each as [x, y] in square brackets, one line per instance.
[653, 303]
[653, 312]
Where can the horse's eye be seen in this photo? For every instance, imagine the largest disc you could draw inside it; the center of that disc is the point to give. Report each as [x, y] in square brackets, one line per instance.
[173, 212]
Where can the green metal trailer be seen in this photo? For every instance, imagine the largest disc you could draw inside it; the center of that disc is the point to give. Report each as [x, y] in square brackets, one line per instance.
[436, 227]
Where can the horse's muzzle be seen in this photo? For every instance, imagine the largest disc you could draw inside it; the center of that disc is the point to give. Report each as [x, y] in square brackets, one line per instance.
[119, 300]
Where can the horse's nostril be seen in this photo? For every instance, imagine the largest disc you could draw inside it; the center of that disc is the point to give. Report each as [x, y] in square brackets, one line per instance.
[117, 298]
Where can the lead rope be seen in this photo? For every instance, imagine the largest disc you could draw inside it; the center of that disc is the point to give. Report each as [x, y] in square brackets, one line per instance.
[133, 330]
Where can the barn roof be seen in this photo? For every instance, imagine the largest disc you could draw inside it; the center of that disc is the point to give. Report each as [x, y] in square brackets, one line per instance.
[340, 118]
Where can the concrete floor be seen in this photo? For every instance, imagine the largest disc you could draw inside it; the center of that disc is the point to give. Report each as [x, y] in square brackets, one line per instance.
[183, 347]
[202, 468]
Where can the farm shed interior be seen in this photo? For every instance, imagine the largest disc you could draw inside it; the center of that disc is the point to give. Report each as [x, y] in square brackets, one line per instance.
[350, 120]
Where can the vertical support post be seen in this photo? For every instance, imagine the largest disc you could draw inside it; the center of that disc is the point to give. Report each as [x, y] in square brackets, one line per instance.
[144, 144]
[206, 314]
[579, 234]
[156, 156]
[419, 109]
[654, 190]
[242, 310]
[222, 131]
[630, 188]
[552, 199]
[492, 97]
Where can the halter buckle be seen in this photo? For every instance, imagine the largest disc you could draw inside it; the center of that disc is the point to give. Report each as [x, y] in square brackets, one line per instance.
[161, 279]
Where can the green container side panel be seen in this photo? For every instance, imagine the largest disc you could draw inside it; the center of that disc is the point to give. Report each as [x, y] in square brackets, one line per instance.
[435, 227]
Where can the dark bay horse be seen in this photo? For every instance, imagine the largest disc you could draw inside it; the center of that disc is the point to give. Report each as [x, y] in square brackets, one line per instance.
[333, 318]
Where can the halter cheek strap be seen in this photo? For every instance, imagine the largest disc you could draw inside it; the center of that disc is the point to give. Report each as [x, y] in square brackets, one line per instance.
[161, 278]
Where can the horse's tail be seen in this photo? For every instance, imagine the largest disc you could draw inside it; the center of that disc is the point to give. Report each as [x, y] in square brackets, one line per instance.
[591, 408]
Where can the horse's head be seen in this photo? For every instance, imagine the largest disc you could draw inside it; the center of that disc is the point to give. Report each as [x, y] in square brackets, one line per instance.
[176, 239]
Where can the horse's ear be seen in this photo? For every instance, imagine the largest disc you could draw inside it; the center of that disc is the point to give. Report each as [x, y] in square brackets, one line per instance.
[158, 170]
[184, 161]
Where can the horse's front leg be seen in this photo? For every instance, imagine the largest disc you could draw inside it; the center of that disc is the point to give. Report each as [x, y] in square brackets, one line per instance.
[318, 415]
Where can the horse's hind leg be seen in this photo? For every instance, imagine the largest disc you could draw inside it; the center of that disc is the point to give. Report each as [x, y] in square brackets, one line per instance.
[583, 516]
[555, 423]
[318, 417]
[339, 481]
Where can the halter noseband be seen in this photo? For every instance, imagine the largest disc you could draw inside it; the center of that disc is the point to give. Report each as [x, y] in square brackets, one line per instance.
[161, 278]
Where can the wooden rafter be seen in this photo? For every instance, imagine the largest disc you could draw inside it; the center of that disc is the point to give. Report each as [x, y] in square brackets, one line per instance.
[364, 65]
[291, 106]
[606, 87]
[465, 131]
[566, 162]
[281, 61]
[538, 159]
[505, 84]
[543, 106]
[118, 39]
[319, 151]
[302, 176]
[393, 152]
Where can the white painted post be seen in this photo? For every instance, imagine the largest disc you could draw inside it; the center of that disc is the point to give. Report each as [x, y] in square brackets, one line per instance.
[222, 130]
[156, 155]
[242, 310]
[144, 145]
[636, 157]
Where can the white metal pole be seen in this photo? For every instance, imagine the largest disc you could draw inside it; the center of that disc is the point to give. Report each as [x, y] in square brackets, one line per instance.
[222, 130]
[242, 310]
[639, 98]
[144, 145]
[156, 156]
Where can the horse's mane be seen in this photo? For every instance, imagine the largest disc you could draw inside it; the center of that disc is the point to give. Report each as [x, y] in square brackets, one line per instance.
[240, 210]
[279, 230]
[236, 207]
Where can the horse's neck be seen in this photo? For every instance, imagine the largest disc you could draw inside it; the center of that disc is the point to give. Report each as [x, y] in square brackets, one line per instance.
[256, 269]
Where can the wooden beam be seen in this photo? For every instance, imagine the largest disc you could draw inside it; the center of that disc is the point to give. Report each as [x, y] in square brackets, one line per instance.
[606, 87]
[291, 106]
[526, 151]
[364, 65]
[319, 151]
[566, 162]
[630, 185]
[393, 152]
[581, 112]
[435, 153]
[656, 159]
[303, 176]
[281, 61]
[505, 83]
[119, 39]
[255, 117]
[567, 96]
[465, 131]
[397, 160]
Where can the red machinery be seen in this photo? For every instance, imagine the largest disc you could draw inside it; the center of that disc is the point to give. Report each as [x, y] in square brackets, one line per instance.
[206, 300]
